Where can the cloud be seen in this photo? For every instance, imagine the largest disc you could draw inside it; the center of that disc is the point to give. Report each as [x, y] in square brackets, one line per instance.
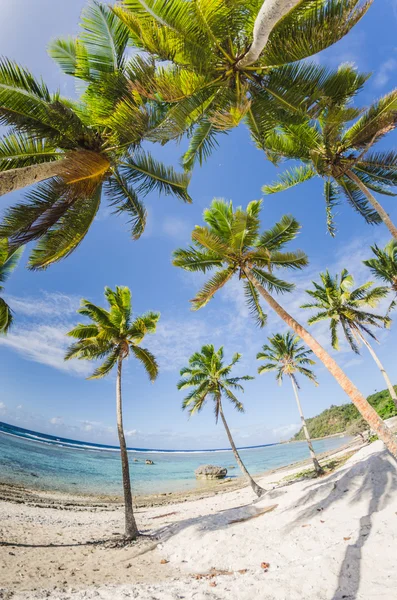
[131, 433]
[47, 304]
[385, 71]
[177, 228]
[45, 344]
[39, 332]
[56, 421]
[3, 407]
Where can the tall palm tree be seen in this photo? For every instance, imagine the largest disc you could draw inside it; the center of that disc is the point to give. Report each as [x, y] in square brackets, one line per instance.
[8, 261]
[209, 65]
[342, 153]
[288, 357]
[210, 378]
[336, 300]
[79, 149]
[231, 243]
[113, 335]
[384, 266]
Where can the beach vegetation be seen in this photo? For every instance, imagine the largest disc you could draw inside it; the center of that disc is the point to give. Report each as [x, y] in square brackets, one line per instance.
[286, 355]
[231, 244]
[112, 336]
[384, 266]
[336, 300]
[9, 258]
[338, 146]
[211, 379]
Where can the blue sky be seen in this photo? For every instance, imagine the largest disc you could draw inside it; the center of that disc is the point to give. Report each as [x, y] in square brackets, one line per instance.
[41, 392]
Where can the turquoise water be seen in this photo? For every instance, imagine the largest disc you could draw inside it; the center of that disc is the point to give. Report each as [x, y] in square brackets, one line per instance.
[46, 462]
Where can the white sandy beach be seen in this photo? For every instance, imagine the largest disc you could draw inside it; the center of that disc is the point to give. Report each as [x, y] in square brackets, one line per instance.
[324, 539]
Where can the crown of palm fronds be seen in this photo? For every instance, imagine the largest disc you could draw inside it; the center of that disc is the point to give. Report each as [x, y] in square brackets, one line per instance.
[96, 143]
[8, 262]
[210, 378]
[336, 300]
[331, 147]
[191, 63]
[384, 265]
[231, 243]
[113, 334]
[287, 357]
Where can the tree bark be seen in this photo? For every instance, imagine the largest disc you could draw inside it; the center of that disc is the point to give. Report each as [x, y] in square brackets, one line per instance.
[270, 13]
[316, 464]
[131, 529]
[381, 368]
[15, 179]
[364, 408]
[257, 489]
[374, 203]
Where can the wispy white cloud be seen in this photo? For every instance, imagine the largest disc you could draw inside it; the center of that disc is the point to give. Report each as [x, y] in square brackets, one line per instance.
[39, 332]
[177, 228]
[385, 72]
[56, 421]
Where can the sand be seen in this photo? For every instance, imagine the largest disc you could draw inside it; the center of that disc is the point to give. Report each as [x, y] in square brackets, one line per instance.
[324, 539]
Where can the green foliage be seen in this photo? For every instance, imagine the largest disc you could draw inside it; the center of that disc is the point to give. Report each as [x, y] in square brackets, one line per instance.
[333, 148]
[210, 379]
[197, 47]
[337, 419]
[96, 140]
[231, 243]
[9, 258]
[336, 300]
[112, 335]
[286, 356]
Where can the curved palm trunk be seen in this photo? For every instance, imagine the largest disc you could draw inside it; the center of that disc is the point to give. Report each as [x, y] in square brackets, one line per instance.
[131, 529]
[257, 489]
[379, 209]
[269, 14]
[316, 464]
[380, 367]
[15, 179]
[365, 409]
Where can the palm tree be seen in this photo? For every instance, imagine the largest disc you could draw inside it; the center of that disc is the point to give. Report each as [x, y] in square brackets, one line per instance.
[210, 378]
[338, 301]
[210, 68]
[8, 261]
[79, 149]
[287, 357]
[341, 153]
[384, 266]
[113, 335]
[231, 243]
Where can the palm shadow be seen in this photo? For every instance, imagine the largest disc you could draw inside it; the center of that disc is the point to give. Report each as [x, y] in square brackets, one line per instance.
[374, 478]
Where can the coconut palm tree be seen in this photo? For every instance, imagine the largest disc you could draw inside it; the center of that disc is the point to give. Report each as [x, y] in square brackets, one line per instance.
[78, 150]
[287, 357]
[114, 335]
[210, 378]
[231, 244]
[344, 306]
[384, 266]
[341, 152]
[8, 261]
[209, 65]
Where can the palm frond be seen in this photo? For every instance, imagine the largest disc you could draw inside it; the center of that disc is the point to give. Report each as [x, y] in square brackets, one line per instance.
[211, 287]
[289, 179]
[147, 359]
[283, 232]
[252, 299]
[125, 200]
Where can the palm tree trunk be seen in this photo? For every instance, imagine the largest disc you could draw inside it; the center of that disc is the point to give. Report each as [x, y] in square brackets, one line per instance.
[257, 489]
[380, 367]
[379, 209]
[270, 13]
[15, 179]
[316, 464]
[131, 529]
[365, 409]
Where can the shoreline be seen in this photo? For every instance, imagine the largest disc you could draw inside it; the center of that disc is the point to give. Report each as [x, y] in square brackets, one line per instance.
[34, 496]
[305, 538]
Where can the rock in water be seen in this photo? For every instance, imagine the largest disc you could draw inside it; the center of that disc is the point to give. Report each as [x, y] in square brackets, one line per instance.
[210, 472]
[149, 462]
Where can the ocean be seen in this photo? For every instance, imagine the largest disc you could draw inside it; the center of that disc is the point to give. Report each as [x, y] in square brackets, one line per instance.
[48, 462]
